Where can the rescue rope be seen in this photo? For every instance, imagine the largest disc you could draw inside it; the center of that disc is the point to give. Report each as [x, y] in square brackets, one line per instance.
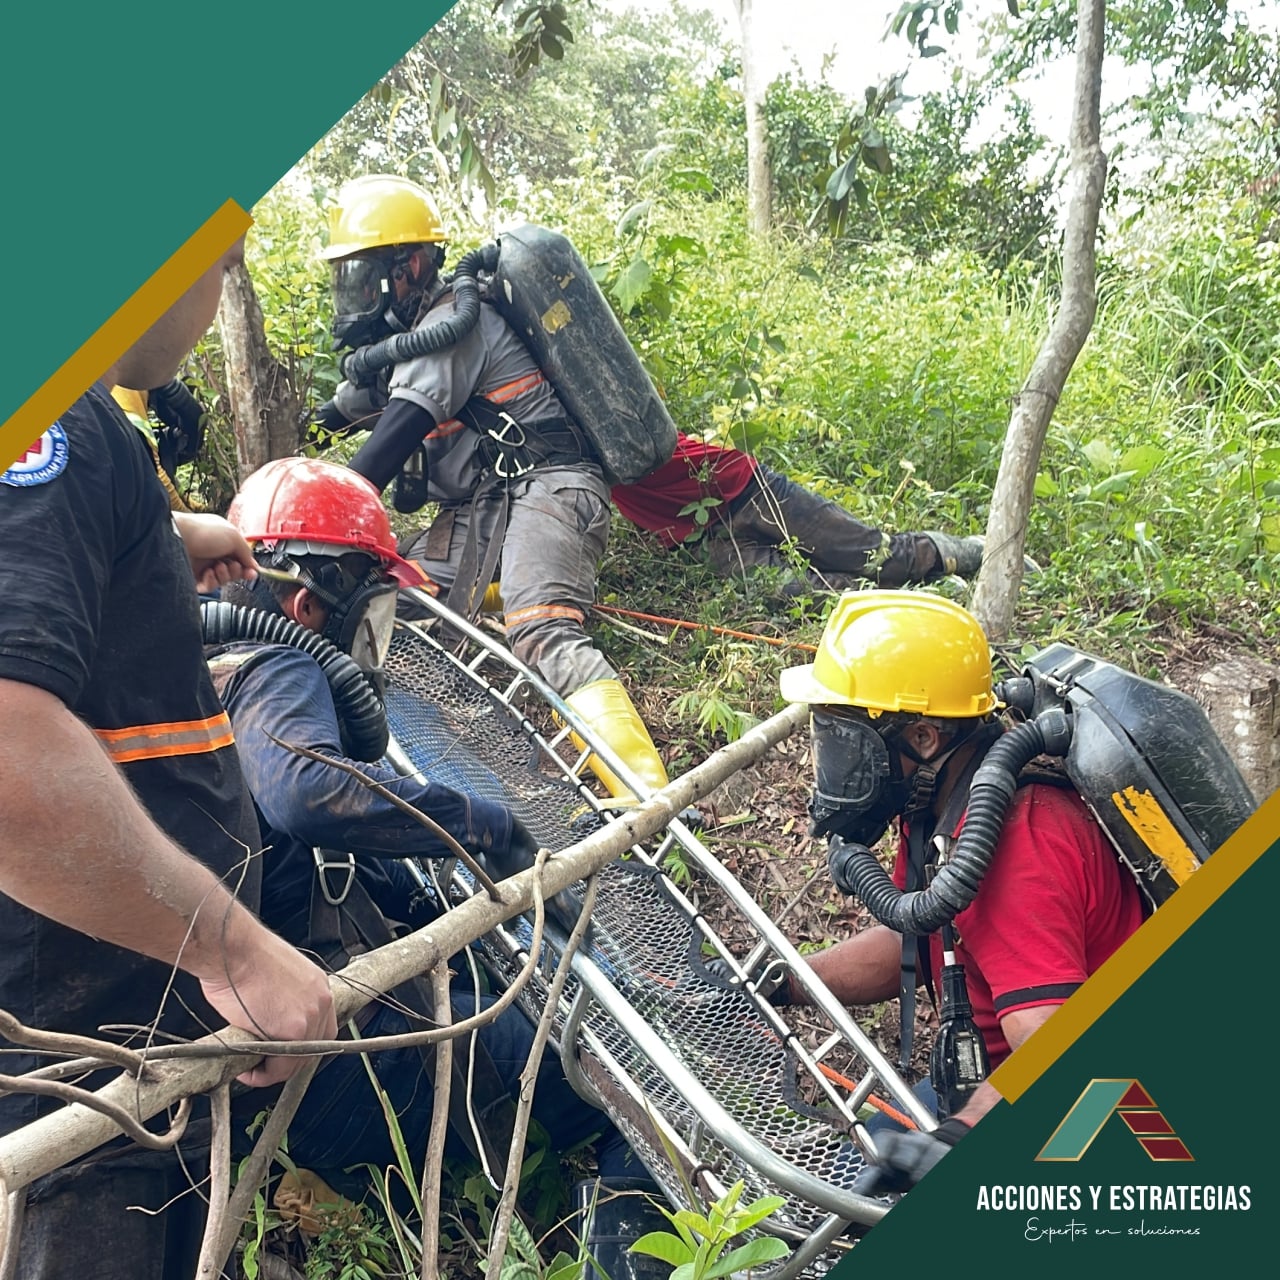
[705, 626]
[872, 1100]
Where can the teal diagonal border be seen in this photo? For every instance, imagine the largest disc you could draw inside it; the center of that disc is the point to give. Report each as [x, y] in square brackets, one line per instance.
[128, 126]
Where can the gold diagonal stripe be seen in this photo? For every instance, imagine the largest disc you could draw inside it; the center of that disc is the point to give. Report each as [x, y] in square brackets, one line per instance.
[123, 329]
[1018, 1073]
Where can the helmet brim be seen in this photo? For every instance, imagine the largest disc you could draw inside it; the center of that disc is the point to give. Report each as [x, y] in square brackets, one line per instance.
[798, 684]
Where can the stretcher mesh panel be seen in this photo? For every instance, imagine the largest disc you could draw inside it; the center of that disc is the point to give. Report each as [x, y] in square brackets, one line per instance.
[645, 940]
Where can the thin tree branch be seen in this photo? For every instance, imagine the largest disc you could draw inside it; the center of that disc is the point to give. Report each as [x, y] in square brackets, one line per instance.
[254, 1170]
[88, 1098]
[219, 1182]
[59, 1042]
[501, 1229]
[433, 1161]
[481, 875]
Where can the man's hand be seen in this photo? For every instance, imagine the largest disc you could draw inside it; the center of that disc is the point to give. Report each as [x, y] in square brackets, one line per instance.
[519, 855]
[906, 1157]
[273, 991]
[217, 552]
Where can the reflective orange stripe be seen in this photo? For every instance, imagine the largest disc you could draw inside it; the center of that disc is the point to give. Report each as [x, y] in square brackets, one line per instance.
[509, 391]
[537, 611]
[499, 395]
[178, 738]
[445, 429]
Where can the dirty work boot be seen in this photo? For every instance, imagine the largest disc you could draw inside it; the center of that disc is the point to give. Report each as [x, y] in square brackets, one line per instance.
[963, 556]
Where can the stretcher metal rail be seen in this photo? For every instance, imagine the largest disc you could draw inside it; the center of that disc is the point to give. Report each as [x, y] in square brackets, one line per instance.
[707, 1081]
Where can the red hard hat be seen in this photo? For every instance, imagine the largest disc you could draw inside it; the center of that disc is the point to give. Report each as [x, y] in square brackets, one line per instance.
[306, 500]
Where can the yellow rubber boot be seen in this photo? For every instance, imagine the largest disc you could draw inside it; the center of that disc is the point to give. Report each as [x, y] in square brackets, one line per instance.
[605, 706]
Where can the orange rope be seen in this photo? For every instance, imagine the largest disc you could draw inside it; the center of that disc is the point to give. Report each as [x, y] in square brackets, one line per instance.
[880, 1105]
[705, 626]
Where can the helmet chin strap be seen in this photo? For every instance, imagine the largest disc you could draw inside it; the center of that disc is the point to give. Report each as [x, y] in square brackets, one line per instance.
[925, 779]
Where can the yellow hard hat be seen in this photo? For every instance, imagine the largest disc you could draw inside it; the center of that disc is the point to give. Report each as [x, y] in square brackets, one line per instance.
[380, 210]
[898, 651]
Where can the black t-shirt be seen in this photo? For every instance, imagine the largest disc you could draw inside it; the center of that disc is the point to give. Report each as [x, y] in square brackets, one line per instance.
[99, 608]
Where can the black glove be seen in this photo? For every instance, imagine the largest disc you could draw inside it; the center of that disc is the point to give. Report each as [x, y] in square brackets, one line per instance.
[906, 1157]
[520, 854]
[183, 415]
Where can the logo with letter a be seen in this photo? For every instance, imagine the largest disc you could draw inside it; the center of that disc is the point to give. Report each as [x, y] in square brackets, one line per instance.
[1103, 1099]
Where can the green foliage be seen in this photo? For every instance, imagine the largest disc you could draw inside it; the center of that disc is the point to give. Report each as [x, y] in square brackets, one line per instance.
[695, 1247]
[1192, 52]
[356, 1248]
[878, 370]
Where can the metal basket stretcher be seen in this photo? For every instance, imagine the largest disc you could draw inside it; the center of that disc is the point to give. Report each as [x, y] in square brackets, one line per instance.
[707, 1081]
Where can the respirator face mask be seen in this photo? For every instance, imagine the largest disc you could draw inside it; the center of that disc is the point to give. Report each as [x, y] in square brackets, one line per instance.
[360, 599]
[858, 785]
[363, 626]
[361, 295]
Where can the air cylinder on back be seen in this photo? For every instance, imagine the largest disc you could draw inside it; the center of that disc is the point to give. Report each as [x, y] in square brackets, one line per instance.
[1147, 762]
[544, 290]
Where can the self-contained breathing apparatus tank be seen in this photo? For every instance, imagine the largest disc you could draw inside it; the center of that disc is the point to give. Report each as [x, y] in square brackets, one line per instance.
[544, 290]
[546, 293]
[1143, 757]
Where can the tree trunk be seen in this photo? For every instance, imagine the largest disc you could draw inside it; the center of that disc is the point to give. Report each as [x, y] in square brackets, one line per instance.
[1241, 697]
[1001, 575]
[759, 168]
[265, 405]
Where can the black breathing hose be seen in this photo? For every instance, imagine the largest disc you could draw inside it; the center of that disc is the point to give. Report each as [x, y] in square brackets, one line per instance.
[362, 365]
[361, 714]
[856, 870]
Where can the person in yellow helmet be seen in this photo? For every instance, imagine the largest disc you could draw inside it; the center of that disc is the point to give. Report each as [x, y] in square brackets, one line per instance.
[465, 418]
[1030, 903]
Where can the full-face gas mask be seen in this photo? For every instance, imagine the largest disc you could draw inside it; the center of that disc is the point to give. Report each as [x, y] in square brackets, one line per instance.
[858, 785]
[366, 304]
[362, 294]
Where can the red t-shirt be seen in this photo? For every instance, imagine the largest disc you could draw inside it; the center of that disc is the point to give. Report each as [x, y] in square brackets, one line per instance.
[1055, 903]
[696, 471]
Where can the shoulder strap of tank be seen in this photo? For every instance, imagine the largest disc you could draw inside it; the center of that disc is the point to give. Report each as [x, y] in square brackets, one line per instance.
[1047, 770]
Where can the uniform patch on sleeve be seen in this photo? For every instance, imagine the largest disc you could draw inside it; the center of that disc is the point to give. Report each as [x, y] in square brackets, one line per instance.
[43, 461]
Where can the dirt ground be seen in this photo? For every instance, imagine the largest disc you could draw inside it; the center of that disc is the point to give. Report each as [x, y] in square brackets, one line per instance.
[757, 825]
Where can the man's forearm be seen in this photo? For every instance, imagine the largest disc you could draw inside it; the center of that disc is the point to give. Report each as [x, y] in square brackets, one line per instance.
[862, 969]
[399, 431]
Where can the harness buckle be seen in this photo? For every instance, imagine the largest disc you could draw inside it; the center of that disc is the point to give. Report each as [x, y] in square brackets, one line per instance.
[328, 860]
[511, 443]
